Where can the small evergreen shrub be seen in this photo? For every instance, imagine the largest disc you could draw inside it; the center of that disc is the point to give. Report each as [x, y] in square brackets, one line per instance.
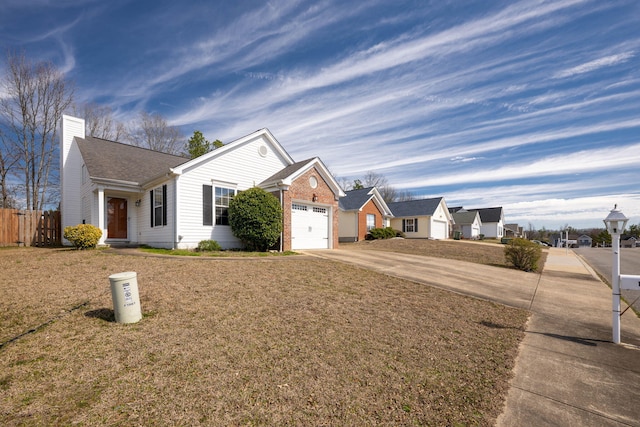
[208, 246]
[255, 217]
[83, 236]
[523, 254]
[383, 233]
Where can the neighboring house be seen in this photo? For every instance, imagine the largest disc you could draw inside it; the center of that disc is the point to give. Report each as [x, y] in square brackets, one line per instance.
[138, 196]
[492, 222]
[627, 241]
[513, 231]
[423, 218]
[467, 223]
[585, 241]
[360, 211]
[561, 240]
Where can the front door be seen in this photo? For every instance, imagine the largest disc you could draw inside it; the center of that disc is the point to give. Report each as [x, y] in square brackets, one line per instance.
[116, 218]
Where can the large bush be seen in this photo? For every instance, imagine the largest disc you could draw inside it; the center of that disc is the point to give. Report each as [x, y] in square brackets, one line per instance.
[83, 236]
[523, 254]
[255, 217]
[383, 233]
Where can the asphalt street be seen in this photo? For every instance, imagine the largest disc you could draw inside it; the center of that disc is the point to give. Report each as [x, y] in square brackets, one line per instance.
[601, 259]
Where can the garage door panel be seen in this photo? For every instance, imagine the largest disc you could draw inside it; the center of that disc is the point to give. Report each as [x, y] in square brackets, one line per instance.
[440, 230]
[309, 227]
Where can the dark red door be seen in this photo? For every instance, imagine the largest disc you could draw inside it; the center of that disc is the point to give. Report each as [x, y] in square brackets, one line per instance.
[116, 218]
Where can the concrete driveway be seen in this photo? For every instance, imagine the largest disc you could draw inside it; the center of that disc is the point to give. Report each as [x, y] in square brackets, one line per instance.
[568, 372]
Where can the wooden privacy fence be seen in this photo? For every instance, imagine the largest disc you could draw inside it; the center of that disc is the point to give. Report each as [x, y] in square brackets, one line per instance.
[30, 228]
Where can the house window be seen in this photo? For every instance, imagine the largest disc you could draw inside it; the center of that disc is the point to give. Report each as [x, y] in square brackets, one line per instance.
[410, 225]
[371, 221]
[158, 197]
[207, 205]
[223, 197]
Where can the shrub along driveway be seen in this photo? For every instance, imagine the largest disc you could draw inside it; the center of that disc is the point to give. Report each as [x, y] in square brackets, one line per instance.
[280, 341]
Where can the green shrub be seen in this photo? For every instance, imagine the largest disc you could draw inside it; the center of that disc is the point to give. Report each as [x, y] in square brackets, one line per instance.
[83, 236]
[382, 233]
[523, 254]
[255, 217]
[208, 246]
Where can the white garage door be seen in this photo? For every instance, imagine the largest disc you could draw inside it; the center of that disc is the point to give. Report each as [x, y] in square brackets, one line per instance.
[440, 230]
[309, 227]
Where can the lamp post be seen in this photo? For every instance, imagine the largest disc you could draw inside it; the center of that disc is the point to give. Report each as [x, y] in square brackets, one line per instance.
[615, 223]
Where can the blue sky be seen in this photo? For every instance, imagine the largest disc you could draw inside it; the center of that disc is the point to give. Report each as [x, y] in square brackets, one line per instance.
[530, 105]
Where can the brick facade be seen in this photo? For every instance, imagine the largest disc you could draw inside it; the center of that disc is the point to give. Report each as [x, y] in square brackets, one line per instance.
[369, 208]
[301, 191]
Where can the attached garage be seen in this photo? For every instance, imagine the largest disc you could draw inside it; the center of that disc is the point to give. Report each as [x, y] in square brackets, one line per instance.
[440, 230]
[309, 226]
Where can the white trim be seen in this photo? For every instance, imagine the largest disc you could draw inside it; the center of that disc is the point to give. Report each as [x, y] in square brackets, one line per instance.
[232, 145]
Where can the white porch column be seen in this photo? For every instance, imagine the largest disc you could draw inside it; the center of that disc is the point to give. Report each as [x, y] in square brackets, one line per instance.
[102, 225]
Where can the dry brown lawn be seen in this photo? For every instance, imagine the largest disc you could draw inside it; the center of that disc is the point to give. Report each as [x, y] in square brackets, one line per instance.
[480, 252]
[277, 341]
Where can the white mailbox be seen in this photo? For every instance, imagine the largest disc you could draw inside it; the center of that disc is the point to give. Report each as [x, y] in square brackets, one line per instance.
[630, 282]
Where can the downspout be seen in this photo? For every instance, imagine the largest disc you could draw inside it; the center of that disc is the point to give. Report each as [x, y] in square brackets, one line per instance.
[175, 213]
[282, 231]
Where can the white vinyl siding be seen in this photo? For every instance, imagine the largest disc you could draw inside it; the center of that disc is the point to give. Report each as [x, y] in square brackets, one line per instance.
[240, 168]
[162, 236]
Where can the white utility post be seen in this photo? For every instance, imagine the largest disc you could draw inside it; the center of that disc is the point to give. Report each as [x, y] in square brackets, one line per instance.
[615, 223]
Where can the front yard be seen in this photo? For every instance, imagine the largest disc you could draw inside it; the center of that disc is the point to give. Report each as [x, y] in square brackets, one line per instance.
[274, 341]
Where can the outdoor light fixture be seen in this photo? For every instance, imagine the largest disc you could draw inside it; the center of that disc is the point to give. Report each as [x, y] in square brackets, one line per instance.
[138, 202]
[615, 223]
[314, 198]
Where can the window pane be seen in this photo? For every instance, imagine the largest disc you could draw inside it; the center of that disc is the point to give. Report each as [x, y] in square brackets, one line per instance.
[223, 197]
[371, 221]
[157, 216]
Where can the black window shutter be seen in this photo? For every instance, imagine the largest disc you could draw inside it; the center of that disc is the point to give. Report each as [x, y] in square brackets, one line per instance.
[151, 203]
[404, 227]
[415, 225]
[164, 204]
[207, 205]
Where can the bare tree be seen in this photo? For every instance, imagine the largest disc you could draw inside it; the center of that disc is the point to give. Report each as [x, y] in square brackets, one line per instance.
[374, 179]
[36, 96]
[404, 196]
[152, 131]
[99, 122]
[7, 161]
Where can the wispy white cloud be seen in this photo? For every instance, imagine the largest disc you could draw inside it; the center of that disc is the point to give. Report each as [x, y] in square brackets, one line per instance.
[475, 107]
[588, 161]
[596, 64]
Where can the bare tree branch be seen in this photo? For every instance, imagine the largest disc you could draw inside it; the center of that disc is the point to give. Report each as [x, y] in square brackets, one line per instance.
[37, 95]
[152, 131]
[99, 122]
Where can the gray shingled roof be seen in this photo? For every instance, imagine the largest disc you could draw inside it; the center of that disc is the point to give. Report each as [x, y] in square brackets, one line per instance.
[464, 217]
[285, 173]
[114, 160]
[355, 199]
[419, 207]
[488, 215]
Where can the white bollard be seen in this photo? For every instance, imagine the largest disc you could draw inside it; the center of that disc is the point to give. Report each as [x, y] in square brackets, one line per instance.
[124, 292]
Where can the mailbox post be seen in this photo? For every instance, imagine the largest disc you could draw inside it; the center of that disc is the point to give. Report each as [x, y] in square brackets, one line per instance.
[615, 223]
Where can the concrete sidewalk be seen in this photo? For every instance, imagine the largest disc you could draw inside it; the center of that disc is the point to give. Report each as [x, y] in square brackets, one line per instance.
[568, 371]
